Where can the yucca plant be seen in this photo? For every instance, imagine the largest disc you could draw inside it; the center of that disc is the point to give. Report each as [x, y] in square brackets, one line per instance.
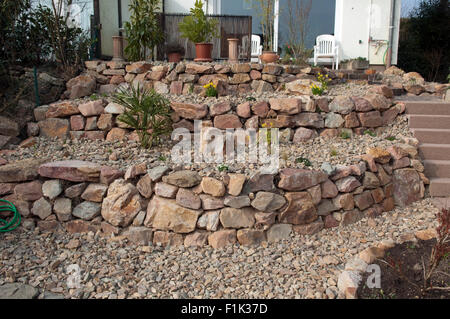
[147, 112]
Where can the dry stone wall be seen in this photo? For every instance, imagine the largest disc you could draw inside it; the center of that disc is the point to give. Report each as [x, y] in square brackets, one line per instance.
[156, 205]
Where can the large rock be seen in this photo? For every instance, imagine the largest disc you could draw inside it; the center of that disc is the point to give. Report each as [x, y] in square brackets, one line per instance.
[342, 105]
[81, 86]
[18, 291]
[165, 214]
[314, 120]
[235, 184]
[303, 134]
[54, 127]
[122, 203]
[95, 192]
[213, 186]
[250, 237]
[20, 171]
[139, 235]
[347, 184]
[41, 208]
[74, 171]
[237, 218]
[190, 111]
[183, 178]
[407, 186]
[193, 68]
[279, 232]
[62, 109]
[29, 191]
[299, 179]
[259, 182]
[209, 220]
[225, 121]
[268, 202]
[333, 120]
[222, 238]
[286, 105]
[301, 86]
[91, 108]
[188, 199]
[370, 119]
[300, 209]
[52, 188]
[219, 108]
[87, 210]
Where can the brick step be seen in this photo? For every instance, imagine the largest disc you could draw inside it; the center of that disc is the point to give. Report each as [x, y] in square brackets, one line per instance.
[440, 152]
[431, 135]
[434, 168]
[429, 121]
[428, 108]
[440, 187]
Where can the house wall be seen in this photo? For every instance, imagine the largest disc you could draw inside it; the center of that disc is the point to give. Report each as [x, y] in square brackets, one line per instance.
[362, 29]
[321, 17]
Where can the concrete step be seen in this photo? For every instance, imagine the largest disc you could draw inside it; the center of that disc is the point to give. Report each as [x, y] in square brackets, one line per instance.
[429, 121]
[435, 168]
[428, 108]
[431, 135]
[440, 187]
[440, 152]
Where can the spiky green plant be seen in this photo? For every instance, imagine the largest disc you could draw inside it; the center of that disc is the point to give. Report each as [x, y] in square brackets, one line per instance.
[147, 112]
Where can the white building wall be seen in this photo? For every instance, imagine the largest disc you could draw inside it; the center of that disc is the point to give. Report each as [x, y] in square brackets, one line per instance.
[183, 6]
[362, 29]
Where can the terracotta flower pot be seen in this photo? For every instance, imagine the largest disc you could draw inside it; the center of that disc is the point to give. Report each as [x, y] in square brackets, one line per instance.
[174, 57]
[203, 52]
[269, 57]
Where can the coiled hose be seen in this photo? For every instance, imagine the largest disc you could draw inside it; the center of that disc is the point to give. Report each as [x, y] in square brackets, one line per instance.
[9, 223]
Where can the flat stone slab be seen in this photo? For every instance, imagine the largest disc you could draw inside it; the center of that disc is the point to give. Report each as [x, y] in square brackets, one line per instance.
[74, 171]
[18, 291]
[20, 171]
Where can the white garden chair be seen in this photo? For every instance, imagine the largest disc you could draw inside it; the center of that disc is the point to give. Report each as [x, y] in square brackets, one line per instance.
[326, 48]
[256, 48]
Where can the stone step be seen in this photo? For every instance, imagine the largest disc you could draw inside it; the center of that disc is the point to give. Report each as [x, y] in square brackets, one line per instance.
[428, 108]
[435, 168]
[440, 187]
[434, 151]
[429, 121]
[432, 135]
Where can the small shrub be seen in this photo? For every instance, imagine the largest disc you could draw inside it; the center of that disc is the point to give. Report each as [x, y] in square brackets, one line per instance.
[333, 152]
[211, 90]
[222, 168]
[316, 90]
[369, 132]
[250, 98]
[162, 158]
[390, 138]
[303, 160]
[345, 135]
[147, 112]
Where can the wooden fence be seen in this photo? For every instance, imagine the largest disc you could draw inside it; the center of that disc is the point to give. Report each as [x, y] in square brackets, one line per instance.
[239, 27]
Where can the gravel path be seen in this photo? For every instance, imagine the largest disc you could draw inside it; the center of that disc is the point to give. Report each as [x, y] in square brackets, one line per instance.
[301, 267]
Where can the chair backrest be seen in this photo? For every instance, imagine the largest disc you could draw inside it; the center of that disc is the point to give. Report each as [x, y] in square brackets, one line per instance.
[326, 44]
[256, 45]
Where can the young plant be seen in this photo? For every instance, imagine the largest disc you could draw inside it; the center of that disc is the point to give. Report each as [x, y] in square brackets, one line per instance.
[369, 132]
[222, 168]
[316, 90]
[390, 138]
[441, 249]
[147, 112]
[211, 90]
[303, 160]
[345, 135]
[143, 30]
[333, 152]
[197, 27]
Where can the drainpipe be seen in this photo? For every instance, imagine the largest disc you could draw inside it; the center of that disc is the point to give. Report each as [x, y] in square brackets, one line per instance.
[275, 25]
[391, 34]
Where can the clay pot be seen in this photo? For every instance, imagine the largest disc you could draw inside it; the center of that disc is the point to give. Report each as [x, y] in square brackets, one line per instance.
[203, 52]
[269, 57]
[174, 57]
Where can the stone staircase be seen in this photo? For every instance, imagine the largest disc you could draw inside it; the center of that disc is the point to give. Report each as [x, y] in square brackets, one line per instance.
[430, 123]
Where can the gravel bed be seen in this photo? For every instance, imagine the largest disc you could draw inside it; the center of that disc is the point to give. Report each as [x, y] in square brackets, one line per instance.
[121, 155]
[301, 267]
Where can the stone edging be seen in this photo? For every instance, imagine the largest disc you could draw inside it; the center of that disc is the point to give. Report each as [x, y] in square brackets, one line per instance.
[350, 278]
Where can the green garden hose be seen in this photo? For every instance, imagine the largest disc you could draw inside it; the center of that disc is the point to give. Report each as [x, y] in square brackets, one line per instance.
[14, 221]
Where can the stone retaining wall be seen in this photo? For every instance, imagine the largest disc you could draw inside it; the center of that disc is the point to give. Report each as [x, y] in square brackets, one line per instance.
[155, 205]
[301, 117]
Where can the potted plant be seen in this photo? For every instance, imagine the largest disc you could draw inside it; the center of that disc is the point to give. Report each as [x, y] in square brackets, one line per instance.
[174, 52]
[200, 30]
[265, 10]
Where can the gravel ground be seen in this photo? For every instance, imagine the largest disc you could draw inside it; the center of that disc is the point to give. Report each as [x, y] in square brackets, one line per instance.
[301, 267]
[124, 154]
